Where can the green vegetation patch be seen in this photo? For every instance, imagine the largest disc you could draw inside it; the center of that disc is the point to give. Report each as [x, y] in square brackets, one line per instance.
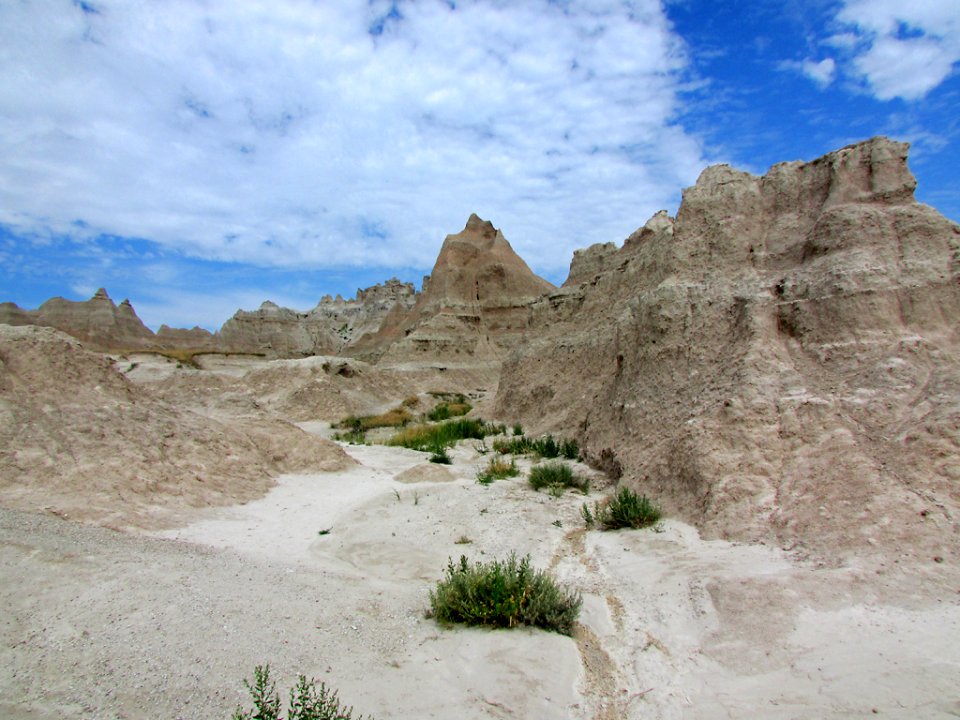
[397, 417]
[546, 447]
[556, 477]
[429, 437]
[497, 469]
[624, 510]
[505, 593]
[307, 701]
[447, 410]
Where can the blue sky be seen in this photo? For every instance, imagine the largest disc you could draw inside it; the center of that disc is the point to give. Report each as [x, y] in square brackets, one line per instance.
[198, 158]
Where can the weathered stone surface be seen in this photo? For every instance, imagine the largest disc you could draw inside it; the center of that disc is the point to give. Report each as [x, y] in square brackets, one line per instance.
[325, 330]
[78, 437]
[97, 321]
[473, 306]
[781, 361]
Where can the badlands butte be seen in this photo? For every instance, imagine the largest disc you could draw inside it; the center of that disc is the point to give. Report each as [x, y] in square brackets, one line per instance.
[778, 366]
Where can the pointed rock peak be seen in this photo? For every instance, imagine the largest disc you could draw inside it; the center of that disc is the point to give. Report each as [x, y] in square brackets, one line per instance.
[269, 305]
[100, 294]
[477, 226]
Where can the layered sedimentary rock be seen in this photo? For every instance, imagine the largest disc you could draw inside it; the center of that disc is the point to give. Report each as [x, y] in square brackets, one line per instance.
[325, 330]
[98, 321]
[781, 359]
[473, 306]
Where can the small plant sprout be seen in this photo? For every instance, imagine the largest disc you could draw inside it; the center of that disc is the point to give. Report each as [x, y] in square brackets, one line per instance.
[462, 540]
[307, 701]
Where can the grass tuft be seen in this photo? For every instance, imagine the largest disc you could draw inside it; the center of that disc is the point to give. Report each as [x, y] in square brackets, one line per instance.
[546, 447]
[503, 594]
[556, 477]
[427, 437]
[497, 469]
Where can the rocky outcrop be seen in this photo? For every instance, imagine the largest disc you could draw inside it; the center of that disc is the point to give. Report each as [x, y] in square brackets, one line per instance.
[588, 263]
[78, 438]
[194, 339]
[781, 361]
[270, 331]
[325, 330]
[473, 306]
[97, 321]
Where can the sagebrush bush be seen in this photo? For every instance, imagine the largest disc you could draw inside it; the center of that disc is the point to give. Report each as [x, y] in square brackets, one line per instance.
[624, 510]
[556, 476]
[307, 702]
[497, 469]
[503, 594]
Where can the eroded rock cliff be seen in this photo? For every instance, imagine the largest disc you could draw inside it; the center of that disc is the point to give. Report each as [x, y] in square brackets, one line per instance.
[781, 360]
[98, 321]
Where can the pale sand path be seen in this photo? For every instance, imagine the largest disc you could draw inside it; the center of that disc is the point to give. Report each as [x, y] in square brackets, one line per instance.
[101, 624]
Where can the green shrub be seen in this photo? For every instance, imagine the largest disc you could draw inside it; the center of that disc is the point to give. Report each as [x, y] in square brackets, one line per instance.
[497, 469]
[556, 476]
[518, 429]
[503, 594]
[624, 510]
[307, 702]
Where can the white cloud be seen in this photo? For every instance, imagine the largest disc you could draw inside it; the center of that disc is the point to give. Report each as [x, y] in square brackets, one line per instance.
[318, 134]
[822, 73]
[905, 50]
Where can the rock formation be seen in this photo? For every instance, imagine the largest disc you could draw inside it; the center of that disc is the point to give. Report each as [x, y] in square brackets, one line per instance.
[473, 306]
[97, 321]
[780, 361]
[270, 331]
[325, 330]
[78, 438]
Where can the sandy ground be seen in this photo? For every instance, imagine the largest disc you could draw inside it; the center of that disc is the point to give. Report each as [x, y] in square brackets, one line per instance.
[96, 623]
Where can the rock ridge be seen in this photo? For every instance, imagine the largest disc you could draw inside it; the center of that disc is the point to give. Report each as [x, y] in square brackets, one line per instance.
[778, 362]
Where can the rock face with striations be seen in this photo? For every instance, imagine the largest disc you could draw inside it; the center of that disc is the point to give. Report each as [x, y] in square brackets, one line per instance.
[98, 321]
[473, 307]
[781, 361]
[325, 330]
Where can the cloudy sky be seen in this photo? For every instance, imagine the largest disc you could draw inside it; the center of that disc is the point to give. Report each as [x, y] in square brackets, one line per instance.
[199, 156]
